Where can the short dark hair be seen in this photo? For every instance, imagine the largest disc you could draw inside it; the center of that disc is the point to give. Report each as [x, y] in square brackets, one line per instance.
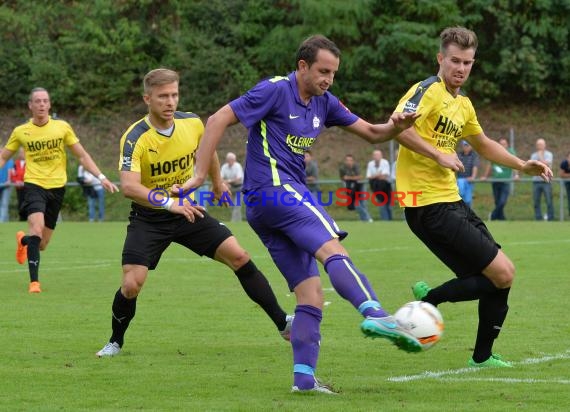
[460, 36]
[36, 89]
[308, 50]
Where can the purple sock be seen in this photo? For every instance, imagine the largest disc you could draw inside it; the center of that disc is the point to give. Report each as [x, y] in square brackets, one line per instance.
[353, 285]
[306, 340]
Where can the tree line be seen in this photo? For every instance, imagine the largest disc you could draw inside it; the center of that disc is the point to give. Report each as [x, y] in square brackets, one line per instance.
[92, 55]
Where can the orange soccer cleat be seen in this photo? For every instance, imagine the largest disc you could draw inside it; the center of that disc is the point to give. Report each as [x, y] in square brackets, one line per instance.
[34, 287]
[21, 250]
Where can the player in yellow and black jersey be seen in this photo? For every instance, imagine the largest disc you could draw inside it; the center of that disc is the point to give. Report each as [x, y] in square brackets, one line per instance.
[44, 140]
[440, 219]
[161, 157]
[156, 153]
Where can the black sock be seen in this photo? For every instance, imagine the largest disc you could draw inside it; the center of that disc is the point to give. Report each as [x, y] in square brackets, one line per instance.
[33, 243]
[493, 310]
[25, 240]
[123, 312]
[460, 290]
[258, 289]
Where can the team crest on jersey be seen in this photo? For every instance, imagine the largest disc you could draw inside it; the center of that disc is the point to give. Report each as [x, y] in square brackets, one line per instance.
[316, 122]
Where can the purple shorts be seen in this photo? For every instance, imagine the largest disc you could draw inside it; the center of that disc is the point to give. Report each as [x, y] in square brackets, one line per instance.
[293, 227]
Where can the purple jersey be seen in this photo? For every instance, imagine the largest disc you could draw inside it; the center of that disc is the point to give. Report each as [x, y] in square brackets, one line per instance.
[281, 128]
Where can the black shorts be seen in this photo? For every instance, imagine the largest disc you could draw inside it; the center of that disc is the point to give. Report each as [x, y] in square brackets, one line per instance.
[454, 233]
[46, 201]
[151, 231]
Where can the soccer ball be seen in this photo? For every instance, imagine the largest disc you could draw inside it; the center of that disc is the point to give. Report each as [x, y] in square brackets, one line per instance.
[423, 321]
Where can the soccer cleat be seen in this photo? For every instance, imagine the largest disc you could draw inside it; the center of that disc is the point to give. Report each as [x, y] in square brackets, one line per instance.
[388, 328]
[21, 250]
[286, 333]
[494, 361]
[319, 388]
[110, 349]
[34, 287]
[420, 290]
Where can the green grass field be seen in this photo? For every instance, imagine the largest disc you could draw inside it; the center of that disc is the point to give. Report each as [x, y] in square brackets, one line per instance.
[198, 344]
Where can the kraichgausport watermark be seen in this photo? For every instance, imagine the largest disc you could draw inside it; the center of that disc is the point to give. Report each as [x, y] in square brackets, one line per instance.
[341, 197]
[158, 196]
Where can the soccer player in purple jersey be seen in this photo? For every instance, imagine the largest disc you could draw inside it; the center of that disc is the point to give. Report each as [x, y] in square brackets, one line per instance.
[284, 116]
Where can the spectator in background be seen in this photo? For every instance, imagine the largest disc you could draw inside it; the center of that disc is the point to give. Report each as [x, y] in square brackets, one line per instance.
[501, 189]
[349, 173]
[232, 175]
[393, 170]
[17, 179]
[565, 174]
[539, 186]
[465, 179]
[5, 190]
[378, 175]
[95, 193]
[311, 173]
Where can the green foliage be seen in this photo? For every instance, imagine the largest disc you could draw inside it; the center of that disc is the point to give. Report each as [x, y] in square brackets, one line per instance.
[93, 55]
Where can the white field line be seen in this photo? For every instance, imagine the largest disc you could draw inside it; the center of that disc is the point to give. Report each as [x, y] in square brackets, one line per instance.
[508, 380]
[453, 372]
[47, 263]
[197, 259]
[194, 258]
[24, 268]
[503, 244]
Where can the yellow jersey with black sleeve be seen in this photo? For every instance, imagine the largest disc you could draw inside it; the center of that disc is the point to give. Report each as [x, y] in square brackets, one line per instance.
[160, 159]
[444, 120]
[44, 147]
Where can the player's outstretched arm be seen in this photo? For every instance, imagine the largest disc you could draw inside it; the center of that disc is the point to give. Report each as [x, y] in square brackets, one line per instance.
[215, 128]
[493, 151]
[537, 168]
[399, 126]
[382, 132]
[410, 139]
[88, 164]
[218, 184]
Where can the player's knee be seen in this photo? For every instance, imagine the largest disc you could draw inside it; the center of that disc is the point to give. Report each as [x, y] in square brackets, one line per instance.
[130, 288]
[238, 259]
[310, 296]
[506, 277]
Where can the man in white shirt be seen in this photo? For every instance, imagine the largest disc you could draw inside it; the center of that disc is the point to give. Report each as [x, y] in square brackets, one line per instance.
[378, 175]
[539, 186]
[232, 174]
[94, 192]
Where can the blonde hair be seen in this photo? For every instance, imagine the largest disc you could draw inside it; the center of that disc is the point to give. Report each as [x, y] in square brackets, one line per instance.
[460, 36]
[158, 77]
